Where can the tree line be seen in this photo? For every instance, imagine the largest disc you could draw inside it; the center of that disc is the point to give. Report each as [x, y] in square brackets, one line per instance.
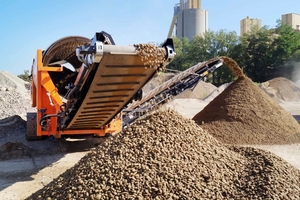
[263, 54]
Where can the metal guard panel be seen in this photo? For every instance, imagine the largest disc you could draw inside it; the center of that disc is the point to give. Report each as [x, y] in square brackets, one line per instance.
[118, 78]
[64, 49]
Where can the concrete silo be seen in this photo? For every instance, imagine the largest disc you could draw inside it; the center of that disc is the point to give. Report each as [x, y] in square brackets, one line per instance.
[189, 19]
[291, 19]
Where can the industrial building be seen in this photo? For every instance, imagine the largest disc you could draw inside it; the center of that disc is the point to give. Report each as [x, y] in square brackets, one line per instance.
[291, 19]
[189, 19]
[247, 25]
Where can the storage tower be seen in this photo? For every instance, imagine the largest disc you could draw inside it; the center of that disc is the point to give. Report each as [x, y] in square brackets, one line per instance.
[247, 25]
[291, 19]
[189, 19]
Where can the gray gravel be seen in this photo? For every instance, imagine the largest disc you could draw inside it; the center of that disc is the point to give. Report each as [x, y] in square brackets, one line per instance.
[15, 98]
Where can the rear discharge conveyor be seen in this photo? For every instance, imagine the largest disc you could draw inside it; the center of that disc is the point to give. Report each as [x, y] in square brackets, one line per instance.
[80, 86]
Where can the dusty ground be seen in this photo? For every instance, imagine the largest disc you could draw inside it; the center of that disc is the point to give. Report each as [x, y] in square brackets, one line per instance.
[21, 177]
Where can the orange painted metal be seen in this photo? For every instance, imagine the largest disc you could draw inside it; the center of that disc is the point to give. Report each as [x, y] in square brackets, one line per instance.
[90, 99]
[114, 126]
[46, 99]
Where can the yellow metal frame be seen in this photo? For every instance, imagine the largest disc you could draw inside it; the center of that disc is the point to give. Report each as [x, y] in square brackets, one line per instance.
[44, 90]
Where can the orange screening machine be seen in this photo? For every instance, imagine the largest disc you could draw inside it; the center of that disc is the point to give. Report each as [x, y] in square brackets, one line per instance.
[81, 85]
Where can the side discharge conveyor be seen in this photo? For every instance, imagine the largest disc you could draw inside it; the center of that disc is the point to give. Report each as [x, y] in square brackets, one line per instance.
[187, 79]
[88, 98]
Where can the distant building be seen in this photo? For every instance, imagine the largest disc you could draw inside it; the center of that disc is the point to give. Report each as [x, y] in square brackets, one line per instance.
[291, 19]
[247, 25]
[190, 20]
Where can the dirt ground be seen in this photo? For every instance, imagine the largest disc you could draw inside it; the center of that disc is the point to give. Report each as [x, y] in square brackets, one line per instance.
[25, 174]
[21, 177]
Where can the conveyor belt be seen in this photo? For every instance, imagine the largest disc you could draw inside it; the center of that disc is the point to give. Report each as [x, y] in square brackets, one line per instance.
[169, 89]
[196, 72]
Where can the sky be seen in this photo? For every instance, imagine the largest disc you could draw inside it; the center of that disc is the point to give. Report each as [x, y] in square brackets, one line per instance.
[26, 26]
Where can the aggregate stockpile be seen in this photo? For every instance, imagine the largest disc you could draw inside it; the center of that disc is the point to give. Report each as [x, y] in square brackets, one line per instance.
[245, 114]
[166, 156]
[14, 96]
[14, 103]
[282, 90]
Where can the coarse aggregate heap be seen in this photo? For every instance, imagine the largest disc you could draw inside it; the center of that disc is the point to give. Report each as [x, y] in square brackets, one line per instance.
[151, 55]
[166, 156]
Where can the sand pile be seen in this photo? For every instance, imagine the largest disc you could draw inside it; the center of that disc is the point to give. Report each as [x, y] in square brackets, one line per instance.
[166, 156]
[201, 91]
[216, 92]
[157, 81]
[244, 114]
[282, 89]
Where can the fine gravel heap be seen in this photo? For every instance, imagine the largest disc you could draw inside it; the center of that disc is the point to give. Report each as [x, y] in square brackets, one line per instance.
[15, 96]
[245, 114]
[201, 91]
[282, 89]
[156, 81]
[166, 156]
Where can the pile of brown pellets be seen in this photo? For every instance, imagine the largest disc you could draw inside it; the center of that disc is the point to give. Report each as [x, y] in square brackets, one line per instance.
[245, 114]
[151, 55]
[166, 156]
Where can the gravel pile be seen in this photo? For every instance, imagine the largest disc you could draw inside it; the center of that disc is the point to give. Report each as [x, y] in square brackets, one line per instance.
[9, 81]
[216, 92]
[245, 114]
[201, 91]
[15, 96]
[151, 55]
[15, 102]
[266, 176]
[157, 81]
[166, 156]
[282, 89]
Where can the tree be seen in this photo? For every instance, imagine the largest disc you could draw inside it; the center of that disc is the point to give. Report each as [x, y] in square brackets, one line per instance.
[205, 47]
[25, 76]
[267, 53]
[211, 45]
[287, 51]
[258, 54]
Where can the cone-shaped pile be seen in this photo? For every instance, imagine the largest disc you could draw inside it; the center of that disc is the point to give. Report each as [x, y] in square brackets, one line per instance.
[282, 89]
[244, 114]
